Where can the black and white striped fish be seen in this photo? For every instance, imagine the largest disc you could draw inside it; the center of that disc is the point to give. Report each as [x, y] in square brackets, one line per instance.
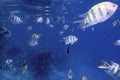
[70, 40]
[112, 69]
[97, 14]
[16, 19]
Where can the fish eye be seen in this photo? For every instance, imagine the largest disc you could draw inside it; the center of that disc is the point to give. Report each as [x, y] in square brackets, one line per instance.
[114, 5]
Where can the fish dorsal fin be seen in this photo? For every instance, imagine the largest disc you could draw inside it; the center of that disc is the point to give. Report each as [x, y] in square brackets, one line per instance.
[83, 15]
[113, 63]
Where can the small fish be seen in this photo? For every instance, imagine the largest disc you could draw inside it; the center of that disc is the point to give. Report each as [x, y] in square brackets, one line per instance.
[50, 25]
[61, 32]
[60, 19]
[2, 30]
[70, 75]
[16, 19]
[34, 39]
[8, 64]
[68, 50]
[5, 32]
[71, 39]
[116, 22]
[65, 27]
[97, 14]
[8, 61]
[29, 28]
[47, 21]
[117, 42]
[84, 78]
[24, 69]
[39, 20]
[112, 69]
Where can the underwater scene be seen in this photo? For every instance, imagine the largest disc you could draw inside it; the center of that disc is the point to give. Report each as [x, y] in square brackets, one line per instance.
[59, 40]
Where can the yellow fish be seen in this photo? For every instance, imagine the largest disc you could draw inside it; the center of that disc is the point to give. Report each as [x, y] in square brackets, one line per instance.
[84, 78]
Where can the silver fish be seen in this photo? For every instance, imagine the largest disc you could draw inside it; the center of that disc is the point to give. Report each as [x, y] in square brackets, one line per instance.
[117, 42]
[70, 75]
[47, 21]
[65, 27]
[39, 20]
[71, 39]
[112, 69]
[97, 14]
[16, 19]
[34, 39]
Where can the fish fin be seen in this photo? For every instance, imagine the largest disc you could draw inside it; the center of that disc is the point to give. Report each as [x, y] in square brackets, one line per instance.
[83, 15]
[82, 24]
[105, 65]
[113, 63]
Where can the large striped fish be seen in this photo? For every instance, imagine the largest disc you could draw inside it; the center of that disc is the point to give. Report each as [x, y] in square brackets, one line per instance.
[97, 14]
[112, 69]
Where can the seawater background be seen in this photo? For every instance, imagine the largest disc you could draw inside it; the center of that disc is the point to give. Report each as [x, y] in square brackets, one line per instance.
[48, 60]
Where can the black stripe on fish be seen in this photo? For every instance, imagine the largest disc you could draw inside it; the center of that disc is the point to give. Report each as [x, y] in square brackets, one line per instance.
[93, 15]
[88, 16]
[100, 11]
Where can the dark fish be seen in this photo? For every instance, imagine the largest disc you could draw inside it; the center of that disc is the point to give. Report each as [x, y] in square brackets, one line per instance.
[4, 32]
[68, 49]
[7, 33]
[3, 29]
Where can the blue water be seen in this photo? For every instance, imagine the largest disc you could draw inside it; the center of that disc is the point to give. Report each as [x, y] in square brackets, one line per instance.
[49, 60]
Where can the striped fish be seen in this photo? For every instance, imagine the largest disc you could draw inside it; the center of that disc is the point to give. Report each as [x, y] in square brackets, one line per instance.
[117, 42]
[84, 78]
[97, 14]
[71, 39]
[16, 19]
[39, 20]
[116, 23]
[112, 69]
[34, 39]
[70, 74]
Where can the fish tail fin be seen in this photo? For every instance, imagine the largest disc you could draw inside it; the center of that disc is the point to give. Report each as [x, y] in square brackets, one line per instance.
[105, 65]
[82, 24]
